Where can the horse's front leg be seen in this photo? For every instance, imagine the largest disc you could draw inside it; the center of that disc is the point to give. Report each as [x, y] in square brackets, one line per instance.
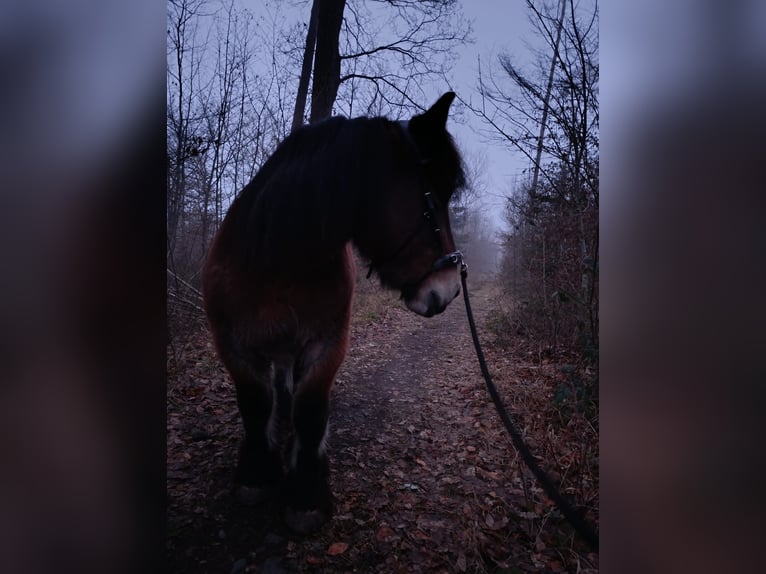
[309, 498]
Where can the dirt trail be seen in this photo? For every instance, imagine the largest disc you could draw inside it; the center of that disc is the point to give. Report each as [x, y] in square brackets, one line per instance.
[424, 477]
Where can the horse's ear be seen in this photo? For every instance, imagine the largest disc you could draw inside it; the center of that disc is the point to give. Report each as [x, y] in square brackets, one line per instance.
[435, 118]
[435, 147]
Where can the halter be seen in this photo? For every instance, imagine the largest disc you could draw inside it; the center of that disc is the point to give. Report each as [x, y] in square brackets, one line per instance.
[453, 258]
[448, 259]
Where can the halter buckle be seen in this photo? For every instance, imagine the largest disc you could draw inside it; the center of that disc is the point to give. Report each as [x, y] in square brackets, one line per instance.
[450, 259]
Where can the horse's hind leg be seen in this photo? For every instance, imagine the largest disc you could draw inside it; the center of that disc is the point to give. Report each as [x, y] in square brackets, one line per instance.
[309, 498]
[259, 467]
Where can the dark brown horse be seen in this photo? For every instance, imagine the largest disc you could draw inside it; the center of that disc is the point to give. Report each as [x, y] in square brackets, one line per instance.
[279, 279]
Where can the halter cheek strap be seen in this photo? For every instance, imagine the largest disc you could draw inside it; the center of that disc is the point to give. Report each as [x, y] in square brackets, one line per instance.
[454, 258]
[449, 259]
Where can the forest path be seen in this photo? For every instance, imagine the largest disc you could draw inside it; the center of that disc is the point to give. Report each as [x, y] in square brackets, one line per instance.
[425, 478]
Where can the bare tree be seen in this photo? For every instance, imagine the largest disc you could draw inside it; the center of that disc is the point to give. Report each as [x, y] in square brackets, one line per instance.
[374, 58]
[550, 114]
[308, 60]
[465, 211]
[518, 106]
[547, 97]
[473, 233]
[222, 118]
[224, 114]
[327, 58]
[392, 49]
[184, 61]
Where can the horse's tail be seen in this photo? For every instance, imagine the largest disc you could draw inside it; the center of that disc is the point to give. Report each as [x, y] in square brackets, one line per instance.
[283, 387]
[281, 413]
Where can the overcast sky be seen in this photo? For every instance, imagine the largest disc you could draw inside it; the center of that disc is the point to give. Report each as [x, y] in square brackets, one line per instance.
[499, 26]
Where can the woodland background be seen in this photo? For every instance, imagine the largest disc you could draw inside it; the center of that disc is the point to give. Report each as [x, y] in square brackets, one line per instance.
[680, 331]
[239, 82]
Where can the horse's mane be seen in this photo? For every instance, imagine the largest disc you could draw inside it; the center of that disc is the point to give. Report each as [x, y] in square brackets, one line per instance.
[306, 192]
[307, 195]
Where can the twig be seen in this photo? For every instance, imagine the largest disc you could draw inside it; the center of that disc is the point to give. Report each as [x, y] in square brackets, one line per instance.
[186, 301]
[190, 287]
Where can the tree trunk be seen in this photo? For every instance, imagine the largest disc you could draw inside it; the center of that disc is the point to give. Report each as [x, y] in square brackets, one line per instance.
[546, 100]
[326, 58]
[308, 60]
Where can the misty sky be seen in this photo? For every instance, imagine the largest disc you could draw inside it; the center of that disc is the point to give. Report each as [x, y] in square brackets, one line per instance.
[499, 26]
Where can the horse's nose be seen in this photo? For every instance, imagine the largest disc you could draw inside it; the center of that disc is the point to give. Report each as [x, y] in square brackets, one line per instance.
[435, 304]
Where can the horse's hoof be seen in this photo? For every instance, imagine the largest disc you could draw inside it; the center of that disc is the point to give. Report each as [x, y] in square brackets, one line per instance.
[305, 521]
[252, 495]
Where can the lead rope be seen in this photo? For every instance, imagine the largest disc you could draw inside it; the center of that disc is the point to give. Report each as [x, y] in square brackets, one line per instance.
[575, 519]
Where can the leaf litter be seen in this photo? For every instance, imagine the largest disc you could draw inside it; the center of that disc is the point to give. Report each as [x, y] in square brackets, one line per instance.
[424, 475]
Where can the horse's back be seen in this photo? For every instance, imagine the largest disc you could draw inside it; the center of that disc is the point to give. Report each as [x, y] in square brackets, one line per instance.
[280, 269]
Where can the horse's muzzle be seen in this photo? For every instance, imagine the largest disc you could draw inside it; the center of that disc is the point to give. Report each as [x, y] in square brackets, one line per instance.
[433, 295]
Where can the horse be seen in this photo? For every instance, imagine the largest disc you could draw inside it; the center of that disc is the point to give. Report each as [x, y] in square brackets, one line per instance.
[279, 278]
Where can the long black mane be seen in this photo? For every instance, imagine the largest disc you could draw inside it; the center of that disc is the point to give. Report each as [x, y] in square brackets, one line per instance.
[317, 186]
[306, 195]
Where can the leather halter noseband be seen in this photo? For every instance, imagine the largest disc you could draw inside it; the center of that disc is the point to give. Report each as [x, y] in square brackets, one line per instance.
[453, 258]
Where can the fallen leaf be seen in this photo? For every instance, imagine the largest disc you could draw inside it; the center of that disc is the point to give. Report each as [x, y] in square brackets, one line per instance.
[383, 534]
[461, 562]
[337, 548]
[557, 566]
[313, 560]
